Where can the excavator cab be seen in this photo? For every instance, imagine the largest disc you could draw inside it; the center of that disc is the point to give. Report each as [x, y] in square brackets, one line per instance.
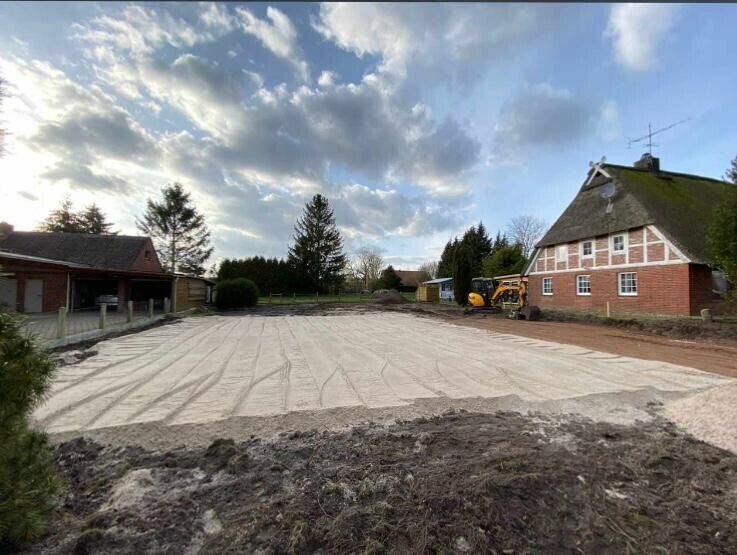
[482, 290]
[503, 293]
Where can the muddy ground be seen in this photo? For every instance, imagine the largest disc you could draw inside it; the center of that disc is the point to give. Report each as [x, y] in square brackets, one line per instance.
[459, 482]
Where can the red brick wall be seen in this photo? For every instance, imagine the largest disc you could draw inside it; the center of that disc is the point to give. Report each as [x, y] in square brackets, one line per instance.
[54, 282]
[655, 252]
[54, 289]
[664, 289]
[150, 264]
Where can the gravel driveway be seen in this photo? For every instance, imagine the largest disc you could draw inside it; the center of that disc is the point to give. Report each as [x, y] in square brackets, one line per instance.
[209, 369]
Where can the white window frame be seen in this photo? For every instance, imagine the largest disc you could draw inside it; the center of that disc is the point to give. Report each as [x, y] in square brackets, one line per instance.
[578, 285]
[624, 243]
[583, 248]
[620, 290]
[558, 250]
[545, 280]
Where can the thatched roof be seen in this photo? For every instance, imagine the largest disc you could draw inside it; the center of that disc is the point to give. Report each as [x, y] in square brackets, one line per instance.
[680, 205]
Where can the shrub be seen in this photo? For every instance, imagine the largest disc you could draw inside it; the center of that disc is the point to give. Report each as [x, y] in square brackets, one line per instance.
[28, 482]
[389, 279]
[236, 293]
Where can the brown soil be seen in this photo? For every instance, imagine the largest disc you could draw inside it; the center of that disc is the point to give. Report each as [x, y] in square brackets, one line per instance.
[500, 483]
[718, 357]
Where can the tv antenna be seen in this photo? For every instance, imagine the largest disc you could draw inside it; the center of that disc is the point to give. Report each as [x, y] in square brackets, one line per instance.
[650, 144]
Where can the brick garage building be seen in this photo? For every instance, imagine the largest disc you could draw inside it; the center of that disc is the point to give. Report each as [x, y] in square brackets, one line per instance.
[45, 271]
[635, 238]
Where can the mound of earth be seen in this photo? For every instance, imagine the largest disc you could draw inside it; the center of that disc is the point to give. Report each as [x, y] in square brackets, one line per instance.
[388, 296]
[460, 482]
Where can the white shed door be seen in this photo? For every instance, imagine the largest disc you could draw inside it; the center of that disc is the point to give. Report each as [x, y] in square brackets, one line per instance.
[33, 299]
[8, 293]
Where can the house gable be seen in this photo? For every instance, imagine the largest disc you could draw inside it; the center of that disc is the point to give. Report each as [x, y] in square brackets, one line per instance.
[617, 198]
[147, 260]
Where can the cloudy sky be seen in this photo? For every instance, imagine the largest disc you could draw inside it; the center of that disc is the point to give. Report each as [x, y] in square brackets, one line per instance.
[416, 121]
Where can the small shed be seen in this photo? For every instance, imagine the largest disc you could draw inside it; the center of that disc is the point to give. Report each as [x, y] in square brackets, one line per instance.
[445, 286]
[428, 293]
[192, 292]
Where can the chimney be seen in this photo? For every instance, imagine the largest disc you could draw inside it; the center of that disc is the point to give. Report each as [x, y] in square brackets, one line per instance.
[5, 230]
[648, 162]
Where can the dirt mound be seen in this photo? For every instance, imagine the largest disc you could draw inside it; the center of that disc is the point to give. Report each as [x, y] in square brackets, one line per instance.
[388, 296]
[461, 482]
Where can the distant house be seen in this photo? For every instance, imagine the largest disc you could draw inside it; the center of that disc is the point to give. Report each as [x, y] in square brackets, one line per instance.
[633, 237]
[45, 271]
[410, 279]
[446, 287]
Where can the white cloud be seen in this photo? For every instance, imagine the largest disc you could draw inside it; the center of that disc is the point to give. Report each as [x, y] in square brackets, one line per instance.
[637, 31]
[279, 36]
[140, 30]
[444, 38]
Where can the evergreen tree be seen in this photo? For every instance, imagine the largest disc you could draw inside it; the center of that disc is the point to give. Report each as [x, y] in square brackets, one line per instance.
[722, 236]
[93, 220]
[62, 220]
[445, 266]
[508, 259]
[28, 482]
[389, 279]
[479, 246]
[317, 253]
[463, 261]
[178, 230]
[731, 174]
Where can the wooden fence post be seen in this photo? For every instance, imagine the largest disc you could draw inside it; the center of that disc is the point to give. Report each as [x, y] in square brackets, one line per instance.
[129, 312]
[61, 323]
[103, 315]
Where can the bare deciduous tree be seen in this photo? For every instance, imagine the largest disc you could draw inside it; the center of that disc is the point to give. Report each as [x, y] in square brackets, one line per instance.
[526, 230]
[366, 265]
[430, 269]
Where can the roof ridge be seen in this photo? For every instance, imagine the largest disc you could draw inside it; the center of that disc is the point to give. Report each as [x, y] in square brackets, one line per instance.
[80, 234]
[666, 172]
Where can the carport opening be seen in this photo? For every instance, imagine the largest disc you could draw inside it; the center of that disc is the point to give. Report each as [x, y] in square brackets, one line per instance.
[144, 289]
[88, 294]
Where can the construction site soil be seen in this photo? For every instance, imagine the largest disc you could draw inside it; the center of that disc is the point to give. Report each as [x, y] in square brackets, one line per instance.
[459, 482]
[489, 481]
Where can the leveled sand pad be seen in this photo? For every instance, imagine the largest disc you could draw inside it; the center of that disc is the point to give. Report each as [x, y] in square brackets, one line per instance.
[207, 369]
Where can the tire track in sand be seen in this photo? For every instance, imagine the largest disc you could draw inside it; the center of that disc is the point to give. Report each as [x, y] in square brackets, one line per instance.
[145, 380]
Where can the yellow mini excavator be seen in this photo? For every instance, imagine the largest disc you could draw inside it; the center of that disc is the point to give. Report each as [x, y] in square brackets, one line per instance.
[502, 293]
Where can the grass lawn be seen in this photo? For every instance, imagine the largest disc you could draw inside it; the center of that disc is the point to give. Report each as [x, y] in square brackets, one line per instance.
[342, 298]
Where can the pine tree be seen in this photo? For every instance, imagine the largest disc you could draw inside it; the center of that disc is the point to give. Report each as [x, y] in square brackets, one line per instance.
[389, 279]
[445, 266]
[463, 261]
[731, 174]
[93, 220]
[317, 253]
[62, 220]
[178, 230]
[479, 244]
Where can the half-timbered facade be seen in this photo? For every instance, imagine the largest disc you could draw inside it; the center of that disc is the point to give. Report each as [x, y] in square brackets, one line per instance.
[634, 238]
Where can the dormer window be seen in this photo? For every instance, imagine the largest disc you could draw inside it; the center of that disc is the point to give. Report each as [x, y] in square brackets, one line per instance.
[147, 255]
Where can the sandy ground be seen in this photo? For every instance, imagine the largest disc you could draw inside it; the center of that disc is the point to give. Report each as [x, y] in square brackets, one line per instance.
[229, 376]
[718, 356]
